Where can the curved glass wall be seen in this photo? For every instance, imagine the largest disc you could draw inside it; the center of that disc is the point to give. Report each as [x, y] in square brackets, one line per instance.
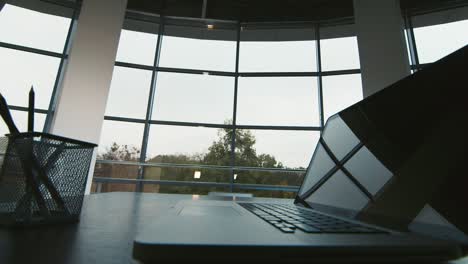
[226, 107]
[198, 106]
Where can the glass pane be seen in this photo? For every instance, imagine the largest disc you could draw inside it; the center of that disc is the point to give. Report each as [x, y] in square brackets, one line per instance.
[193, 98]
[340, 91]
[119, 171]
[197, 190]
[339, 54]
[101, 187]
[282, 101]
[339, 191]
[435, 42]
[270, 194]
[186, 174]
[188, 145]
[280, 178]
[339, 137]
[275, 148]
[320, 165]
[21, 121]
[203, 52]
[33, 29]
[368, 170]
[120, 141]
[128, 96]
[277, 56]
[21, 70]
[137, 47]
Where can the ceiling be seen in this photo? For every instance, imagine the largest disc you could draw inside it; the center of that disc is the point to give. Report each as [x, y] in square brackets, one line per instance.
[268, 10]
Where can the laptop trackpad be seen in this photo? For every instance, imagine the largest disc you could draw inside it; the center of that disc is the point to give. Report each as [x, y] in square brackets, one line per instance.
[211, 210]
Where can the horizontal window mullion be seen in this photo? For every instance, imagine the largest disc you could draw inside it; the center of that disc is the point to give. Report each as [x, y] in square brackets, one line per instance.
[268, 169]
[124, 119]
[241, 74]
[134, 66]
[32, 50]
[25, 109]
[194, 71]
[164, 165]
[192, 124]
[159, 182]
[201, 184]
[279, 74]
[196, 166]
[340, 72]
[261, 187]
[261, 127]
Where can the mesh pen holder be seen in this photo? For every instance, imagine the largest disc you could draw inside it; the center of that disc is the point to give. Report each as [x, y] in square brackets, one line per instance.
[42, 178]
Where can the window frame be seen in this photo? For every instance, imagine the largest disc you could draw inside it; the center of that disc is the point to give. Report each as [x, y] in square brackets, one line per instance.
[232, 168]
[63, 56]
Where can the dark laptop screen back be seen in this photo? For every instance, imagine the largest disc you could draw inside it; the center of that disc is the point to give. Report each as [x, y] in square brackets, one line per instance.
[399, 158]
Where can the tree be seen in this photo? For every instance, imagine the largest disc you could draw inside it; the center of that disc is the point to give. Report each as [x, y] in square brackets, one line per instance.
[219, 153]
[120, 152]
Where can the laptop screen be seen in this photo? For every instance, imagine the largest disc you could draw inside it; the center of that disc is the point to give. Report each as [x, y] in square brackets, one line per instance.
[399, 158]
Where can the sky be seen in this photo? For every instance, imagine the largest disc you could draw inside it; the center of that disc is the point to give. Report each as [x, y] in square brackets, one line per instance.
[288, 101]
[273, 101]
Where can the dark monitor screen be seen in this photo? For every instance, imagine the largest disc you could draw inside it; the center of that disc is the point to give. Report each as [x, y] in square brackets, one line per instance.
[399, 158]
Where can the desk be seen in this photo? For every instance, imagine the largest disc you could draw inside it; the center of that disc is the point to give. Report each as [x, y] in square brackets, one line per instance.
[104, 235]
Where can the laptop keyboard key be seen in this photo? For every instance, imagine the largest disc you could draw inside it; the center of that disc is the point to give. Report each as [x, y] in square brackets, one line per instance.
[287, 230]
[308, 228]
[287, 218]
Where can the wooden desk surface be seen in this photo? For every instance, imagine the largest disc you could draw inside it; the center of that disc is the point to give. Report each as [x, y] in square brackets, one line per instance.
[104, 235]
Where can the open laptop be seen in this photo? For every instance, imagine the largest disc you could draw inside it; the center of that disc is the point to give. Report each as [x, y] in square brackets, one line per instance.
[387, 182]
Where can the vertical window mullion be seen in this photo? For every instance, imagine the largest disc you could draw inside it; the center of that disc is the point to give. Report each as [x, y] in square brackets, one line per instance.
[149, 110]
[411, 41]
[319, 77]
[234, 111]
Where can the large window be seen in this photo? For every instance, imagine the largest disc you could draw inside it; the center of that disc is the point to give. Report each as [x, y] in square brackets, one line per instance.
[269, 50]
[137, 47]
[279, 101]
[129, 92]
[201, 50]
[33, 29]
[182, 144]
[433, 35]
[224, 107]
[32, 52]
[437, 41]
[340, 91]
[193, 98]
[21, 70]
[340, 54]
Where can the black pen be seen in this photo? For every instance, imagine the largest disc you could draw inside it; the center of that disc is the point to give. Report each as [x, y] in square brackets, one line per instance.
[31, 110]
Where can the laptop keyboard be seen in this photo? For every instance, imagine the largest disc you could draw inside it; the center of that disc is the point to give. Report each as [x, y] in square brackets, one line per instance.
[289, 218]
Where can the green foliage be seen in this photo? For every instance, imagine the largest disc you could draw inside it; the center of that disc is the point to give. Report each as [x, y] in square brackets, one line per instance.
[120, 152]
[219, 153]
